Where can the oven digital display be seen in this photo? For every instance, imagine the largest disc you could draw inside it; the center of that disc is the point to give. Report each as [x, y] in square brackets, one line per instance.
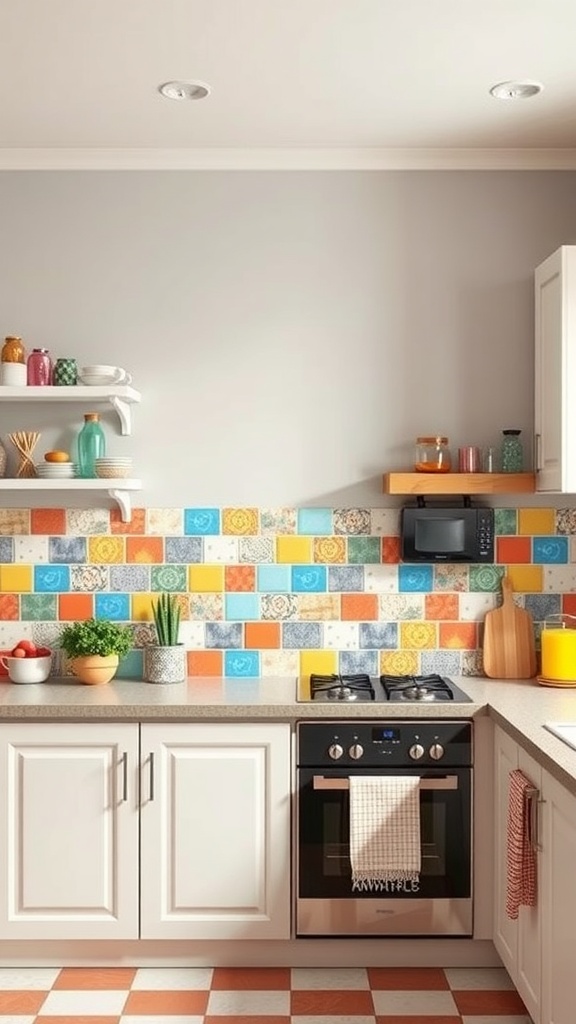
[385, 735]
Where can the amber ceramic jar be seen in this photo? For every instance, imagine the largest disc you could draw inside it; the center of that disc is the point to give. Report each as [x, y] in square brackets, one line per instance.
[432, 455]
[13, 350]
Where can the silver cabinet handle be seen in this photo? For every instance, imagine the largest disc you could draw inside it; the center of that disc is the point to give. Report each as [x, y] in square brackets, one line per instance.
[537, 452]
[151, 776]
[533, 800]
[448, 782]
[125, 776]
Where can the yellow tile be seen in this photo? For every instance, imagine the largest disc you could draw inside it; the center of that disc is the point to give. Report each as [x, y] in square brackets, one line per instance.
[400, 663]
[418, 635]
[106, 550]
[240, 521]
[536, 521]
[16, 579]
[322, 662]
[206, 579]
[141, 607]
[525, 578]
[294, 549]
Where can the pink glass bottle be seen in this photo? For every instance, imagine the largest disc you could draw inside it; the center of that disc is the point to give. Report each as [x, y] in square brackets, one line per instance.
[39, 367]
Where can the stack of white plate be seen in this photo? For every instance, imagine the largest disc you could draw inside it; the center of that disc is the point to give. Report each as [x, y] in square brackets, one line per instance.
[55, 470]
[113, 467]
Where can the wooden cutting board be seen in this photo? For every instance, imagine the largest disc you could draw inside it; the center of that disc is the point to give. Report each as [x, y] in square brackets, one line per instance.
[509, 648]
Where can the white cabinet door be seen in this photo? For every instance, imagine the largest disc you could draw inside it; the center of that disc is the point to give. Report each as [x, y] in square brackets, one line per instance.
[518, 941]
[69, 831]
[558, 899]
[555, 372]
[215, 828]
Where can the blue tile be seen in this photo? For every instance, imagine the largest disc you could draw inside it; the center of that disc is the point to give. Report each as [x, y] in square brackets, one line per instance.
[302, 635]
[354, 662]
[67, 549]
[550, 550]
[51, 578]
[241, 606]
[131, 667]
[415, 578]
[112, 606]
[201, 521]
[222, 635]
[273, 579]
[309, 579]
[183, 549]
[345, 578]
[314, 521]
[241, 664]
[6, 549]
[131, 578]
[381, 635]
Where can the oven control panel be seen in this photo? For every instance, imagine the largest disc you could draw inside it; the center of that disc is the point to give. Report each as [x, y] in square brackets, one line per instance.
[384, 743]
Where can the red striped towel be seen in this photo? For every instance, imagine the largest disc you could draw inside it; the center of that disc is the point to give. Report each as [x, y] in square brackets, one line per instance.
[520, 854]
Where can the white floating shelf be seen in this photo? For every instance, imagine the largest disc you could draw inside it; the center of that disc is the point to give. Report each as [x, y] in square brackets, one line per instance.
[120, 396]
[118, 488]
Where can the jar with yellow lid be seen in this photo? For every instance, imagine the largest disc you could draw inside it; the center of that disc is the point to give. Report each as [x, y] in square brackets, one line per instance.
[432, 455]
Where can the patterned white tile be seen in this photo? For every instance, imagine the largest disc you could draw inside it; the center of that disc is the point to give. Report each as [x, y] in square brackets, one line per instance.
[87, 521]
[381, 579]
[221, 550]
[152, 979]
[492, 979]
[392, 607]
[193, 634]
[341, 636]
[279, 663]
[325, 978]
[251, 1004]
[473, 606]
[407, 1003]
[88, 1002]
[23, 978]
[559, 579]
[385, 522]
[30, 549]
[165, 521]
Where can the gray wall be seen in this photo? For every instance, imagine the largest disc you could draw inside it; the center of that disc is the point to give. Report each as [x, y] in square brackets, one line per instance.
[291, 332]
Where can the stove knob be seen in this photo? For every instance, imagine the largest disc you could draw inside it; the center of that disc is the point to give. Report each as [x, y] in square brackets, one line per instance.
[335, 751]
[356, 751]
[436, 751]
[416, 751]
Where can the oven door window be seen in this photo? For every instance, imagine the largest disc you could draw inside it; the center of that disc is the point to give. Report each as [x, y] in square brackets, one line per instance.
[324, 851]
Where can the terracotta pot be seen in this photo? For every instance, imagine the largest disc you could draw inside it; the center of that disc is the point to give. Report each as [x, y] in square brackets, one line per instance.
[94, 668]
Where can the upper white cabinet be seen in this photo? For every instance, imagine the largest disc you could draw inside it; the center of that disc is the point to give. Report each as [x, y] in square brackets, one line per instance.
[555, 372]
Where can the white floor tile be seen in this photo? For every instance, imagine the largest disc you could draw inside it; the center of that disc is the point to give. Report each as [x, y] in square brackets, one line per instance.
[251, 1004]
[181, 979]
[168, 1019]
[343, 1019]
[346, 978]
[9, 1019]
[493, 979]
[23, 978]
[402, 1004]
[101, 1002]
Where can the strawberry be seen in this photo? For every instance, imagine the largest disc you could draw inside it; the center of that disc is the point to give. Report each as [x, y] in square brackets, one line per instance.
[18, 652]
[28, 646]
[43, 652]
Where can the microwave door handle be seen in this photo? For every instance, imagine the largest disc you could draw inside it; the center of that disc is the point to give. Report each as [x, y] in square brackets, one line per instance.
[447, 782]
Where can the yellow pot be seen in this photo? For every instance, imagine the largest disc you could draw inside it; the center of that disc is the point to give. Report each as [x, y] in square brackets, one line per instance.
[94, 668]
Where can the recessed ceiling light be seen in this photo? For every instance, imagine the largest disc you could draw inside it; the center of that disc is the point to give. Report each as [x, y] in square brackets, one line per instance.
[184, 90]
[516, 90]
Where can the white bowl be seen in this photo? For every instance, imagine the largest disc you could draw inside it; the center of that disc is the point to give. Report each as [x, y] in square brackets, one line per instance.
[27, 670]
[102, 375]
[113, 472]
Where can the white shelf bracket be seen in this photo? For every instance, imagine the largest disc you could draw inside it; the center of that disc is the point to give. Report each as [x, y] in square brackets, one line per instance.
[122, 499]
[124, 413]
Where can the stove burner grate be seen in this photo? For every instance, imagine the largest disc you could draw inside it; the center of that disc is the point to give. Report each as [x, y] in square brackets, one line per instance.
[407, 688]
[339, 687]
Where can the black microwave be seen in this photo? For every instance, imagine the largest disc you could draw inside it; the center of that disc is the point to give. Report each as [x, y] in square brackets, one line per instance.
[446, 534]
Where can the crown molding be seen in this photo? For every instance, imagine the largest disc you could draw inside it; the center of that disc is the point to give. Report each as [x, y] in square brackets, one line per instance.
[287, 159]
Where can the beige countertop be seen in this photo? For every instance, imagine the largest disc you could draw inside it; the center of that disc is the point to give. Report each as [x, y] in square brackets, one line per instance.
[521, 707]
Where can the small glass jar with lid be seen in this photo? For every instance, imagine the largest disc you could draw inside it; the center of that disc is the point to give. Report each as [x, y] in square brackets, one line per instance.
[432, 455]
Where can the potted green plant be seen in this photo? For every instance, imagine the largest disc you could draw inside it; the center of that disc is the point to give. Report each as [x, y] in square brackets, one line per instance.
[165, 661]
[94, 647]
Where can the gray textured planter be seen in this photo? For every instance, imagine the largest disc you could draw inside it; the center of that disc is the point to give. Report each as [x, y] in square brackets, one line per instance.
[165, 664]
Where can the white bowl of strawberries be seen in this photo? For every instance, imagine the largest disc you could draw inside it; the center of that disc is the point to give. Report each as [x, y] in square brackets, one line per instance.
[27, 663]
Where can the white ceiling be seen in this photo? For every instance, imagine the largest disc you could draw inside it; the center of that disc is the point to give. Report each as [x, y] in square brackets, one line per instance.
[293, 82]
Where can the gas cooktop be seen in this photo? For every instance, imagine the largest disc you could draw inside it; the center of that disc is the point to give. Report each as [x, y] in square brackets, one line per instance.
[363, 689]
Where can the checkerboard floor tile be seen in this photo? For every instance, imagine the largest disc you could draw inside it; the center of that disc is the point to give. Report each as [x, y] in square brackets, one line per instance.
[275, 995]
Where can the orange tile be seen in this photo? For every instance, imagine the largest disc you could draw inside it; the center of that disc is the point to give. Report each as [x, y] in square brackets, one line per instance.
[399, 979]
[391, 550]
[262, 635]
[256, 979]
[15, 1001]
[331, 1003]
[75, 606]
[486, 1003]
[458, 636]
[568, 604]
[359, 607]
[72, 978]
[239, 577]
[205, 663]
[9, 607]
[513, 550]
[148, 550]
[47, 520]
[136, 524]
[441, 606]
[166, 1002]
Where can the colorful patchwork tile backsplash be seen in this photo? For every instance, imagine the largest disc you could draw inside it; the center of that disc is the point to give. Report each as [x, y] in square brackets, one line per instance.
[276, 592]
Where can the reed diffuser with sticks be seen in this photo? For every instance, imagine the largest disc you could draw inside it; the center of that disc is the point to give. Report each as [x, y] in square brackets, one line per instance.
[25, 442]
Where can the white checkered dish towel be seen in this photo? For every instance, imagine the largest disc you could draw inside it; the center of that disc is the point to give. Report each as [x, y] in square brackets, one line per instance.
[384, 831]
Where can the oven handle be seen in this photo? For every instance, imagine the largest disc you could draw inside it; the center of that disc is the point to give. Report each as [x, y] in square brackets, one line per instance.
[447, 782]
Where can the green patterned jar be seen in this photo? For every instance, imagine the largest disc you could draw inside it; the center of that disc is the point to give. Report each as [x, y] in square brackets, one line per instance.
[65, 372]
[512, 452]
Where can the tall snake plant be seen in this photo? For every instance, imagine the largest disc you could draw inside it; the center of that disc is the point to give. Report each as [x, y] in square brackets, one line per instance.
[166, 612]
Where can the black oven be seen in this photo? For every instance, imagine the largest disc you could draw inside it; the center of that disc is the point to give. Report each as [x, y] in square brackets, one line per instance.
[439, 902]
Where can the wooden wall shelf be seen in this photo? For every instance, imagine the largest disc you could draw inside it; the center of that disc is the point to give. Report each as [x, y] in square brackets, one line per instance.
[459, 483]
